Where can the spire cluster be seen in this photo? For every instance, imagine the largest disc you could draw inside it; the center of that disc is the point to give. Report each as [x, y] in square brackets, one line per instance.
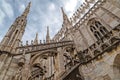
[15, 32]
[36, 41]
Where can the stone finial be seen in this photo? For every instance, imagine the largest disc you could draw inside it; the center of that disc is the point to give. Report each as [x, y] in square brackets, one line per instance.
[85, 5]
[21, 43]
[71, 20]
[64, 15]
[78, 13]
[82, 9]
[31, 42]
[44, 41]
[40, 42]
[48, 35]
[36, 39]
[26, 42]
[27, 9]
[65, 18]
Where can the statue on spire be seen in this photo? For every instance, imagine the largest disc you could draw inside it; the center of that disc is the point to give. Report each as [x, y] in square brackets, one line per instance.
[15, 32]
[64, 15]
[36, 39]
[27, 9]
[66, 21]
[48, 35]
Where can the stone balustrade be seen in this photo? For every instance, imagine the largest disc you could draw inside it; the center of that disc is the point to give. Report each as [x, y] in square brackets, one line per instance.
[45, 46]
[85, 9]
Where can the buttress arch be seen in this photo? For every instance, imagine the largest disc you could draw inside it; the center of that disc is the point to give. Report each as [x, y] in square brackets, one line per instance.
[41, 54]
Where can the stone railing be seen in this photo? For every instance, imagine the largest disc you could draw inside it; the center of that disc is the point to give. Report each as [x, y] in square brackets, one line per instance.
[42, 47]
[86, 14]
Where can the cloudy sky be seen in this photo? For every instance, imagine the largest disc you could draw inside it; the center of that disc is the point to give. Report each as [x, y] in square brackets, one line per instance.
[43, 13]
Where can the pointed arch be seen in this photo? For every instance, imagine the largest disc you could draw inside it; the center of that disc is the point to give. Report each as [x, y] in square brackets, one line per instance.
[116, 67]
[42, 55]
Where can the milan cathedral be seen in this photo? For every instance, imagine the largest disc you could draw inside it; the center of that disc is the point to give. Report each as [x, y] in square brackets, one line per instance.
[87, 47]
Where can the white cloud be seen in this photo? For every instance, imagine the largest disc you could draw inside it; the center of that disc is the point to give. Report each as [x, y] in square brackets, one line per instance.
[49, 18]
[70, 6]
[52, 7]
[22, 7]
[7, 9]
[2, 16]
[41, 16]
[30, 30]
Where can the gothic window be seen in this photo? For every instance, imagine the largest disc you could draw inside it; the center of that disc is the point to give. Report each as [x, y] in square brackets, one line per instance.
[97, 35]
[92, 28]
[98, 24]
[97, 29]
[103, 30]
